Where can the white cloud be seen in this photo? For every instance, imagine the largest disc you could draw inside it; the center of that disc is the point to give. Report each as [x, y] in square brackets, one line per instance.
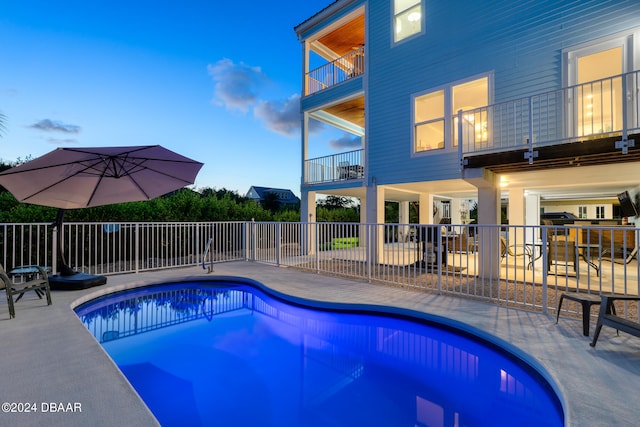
[48, 125]
[282, 117]
[236, 86]
[345, 142]
[59, 142]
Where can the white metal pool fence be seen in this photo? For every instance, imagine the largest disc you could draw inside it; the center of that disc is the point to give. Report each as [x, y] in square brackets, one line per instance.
[523, 266]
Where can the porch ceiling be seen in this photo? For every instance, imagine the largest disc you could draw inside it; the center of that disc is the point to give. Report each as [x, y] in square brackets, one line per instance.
[351, 111]
[346, 38]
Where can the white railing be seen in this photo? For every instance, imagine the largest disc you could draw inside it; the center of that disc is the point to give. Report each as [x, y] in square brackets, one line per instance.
[464, 260]
[126, 247]
[606, 107]
[337, 71]
[523, 266]
[337, 167]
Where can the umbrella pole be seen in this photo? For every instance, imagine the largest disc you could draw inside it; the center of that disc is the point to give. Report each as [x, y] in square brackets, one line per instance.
[63, 267]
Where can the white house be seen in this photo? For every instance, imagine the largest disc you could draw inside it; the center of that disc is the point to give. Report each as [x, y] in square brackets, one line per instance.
[453, 102]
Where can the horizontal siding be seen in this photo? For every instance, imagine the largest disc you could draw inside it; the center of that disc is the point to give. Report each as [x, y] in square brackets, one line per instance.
[520, 42]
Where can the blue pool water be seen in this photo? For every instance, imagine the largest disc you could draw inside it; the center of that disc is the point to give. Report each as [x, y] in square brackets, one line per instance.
[229, 354]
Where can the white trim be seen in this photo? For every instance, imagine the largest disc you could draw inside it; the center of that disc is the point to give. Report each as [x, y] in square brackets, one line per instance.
[630, 61]
[570, 56]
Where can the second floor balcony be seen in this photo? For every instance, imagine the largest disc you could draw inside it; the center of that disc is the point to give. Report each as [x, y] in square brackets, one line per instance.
[337, 71]
[601, 115]
[335, 168]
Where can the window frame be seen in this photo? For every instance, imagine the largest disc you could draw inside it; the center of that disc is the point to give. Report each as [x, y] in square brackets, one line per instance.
[583, 212]
[449, 116]
[571, 55]
[422, 30]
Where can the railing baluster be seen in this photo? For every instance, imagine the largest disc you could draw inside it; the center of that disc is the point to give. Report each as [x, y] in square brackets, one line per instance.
[562, 116]
[335, 72]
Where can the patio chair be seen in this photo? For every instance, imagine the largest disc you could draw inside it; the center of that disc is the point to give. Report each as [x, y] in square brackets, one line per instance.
[36, 280]
[344, 169]
[461, 243]
[515, 251]
[625, 257]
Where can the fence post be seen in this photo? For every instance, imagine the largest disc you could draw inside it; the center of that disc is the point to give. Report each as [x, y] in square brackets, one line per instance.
[54, 252]
[367, 251]
[252, 242]
[545, 263]
[278, 243]
[137, 247]
[438, 257]
[317, 246]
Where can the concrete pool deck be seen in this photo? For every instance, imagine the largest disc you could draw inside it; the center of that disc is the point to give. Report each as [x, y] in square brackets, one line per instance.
[49, 358]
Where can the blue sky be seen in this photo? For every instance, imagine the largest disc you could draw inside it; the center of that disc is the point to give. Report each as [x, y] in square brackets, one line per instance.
[217, 81]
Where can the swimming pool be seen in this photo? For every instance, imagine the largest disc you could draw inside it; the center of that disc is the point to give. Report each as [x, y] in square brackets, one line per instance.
[231, 354]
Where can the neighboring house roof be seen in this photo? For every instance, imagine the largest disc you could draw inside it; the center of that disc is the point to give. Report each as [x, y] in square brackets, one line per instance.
[285, 196]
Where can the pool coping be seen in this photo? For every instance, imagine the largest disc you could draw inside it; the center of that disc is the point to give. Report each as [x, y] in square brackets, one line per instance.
[594, 384]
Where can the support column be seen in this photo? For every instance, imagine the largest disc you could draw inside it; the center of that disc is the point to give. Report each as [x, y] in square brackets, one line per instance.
[516, 215]
[403, 218]
[307, 220]
[375, 216]
[532, 216]
[426, 208]
[455, 211]
[489, 215]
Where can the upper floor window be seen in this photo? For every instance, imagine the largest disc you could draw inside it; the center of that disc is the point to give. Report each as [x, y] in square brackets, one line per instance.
[435, 117]
[407, 18]
[429, 121]
[600, 212]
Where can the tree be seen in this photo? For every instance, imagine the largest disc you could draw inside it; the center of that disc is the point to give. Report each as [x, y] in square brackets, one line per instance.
[336, 202]
[271, 202]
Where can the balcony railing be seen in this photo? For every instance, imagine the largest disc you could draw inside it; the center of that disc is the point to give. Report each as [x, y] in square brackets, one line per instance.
[606, 107]
[337, 71]
[337, 167]
[523, 266]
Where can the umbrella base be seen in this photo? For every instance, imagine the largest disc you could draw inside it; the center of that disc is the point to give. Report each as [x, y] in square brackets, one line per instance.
[75, 281]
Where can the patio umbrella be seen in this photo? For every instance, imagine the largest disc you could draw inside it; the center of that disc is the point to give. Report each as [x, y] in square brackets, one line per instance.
[72, 178]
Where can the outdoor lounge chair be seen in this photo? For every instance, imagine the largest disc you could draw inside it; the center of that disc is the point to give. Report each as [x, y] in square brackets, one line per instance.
[515, 251]
[36, 280]
[608, 317]
[625, 258]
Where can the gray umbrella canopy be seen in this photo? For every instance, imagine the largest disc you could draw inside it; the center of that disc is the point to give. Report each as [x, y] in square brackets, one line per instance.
[71, 178]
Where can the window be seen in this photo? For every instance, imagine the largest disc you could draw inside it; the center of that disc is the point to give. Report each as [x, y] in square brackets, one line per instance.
[599, 102]
[407, 18]
[465, 97]
[599, 212]
[435, 115]
[446, 209]
[593, 72]
[429, 120]
[582, 212]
